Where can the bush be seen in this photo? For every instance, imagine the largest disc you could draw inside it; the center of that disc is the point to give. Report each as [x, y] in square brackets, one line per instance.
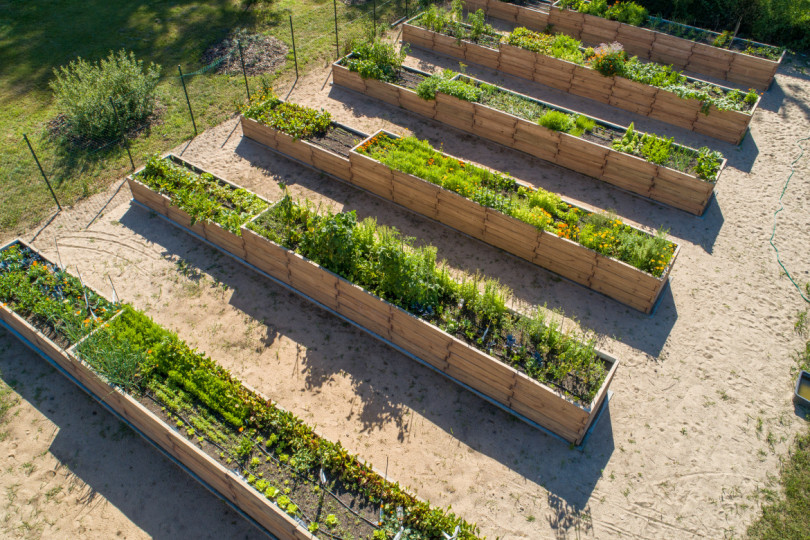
[556, 120]
[457, 88]
[83, 91]
[609, 59]
[376, 60]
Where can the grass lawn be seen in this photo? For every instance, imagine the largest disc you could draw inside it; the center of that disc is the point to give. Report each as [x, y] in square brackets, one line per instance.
[36, 37]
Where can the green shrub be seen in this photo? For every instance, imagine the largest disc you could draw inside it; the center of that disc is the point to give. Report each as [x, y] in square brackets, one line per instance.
[627, 12]
[708, 163]
[609, 59]
[295, 120]
[376, 59]
[458, 88]
[656, 149]
[557, 120]
[83, 91]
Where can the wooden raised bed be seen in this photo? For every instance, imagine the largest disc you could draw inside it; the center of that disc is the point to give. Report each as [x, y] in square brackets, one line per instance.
[729, 126]
[669, 186]
[207, 470]
[613, 278]
[492, 379]
[685, 54]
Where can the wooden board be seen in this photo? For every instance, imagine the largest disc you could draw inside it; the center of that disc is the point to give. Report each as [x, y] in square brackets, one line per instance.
[313, 280]
[480, 371]
[461, 214]
[582, 156]
[448, 45]
[364, 308]
[537, 140]
[409, 100]
[371, 175]
[383, 91]
[416, 194]
[484, 56]
[298, 149]
[552, 72]
[629, 172]
[146, 196]
[591, 84]
[230, 242]
[331, 163]
[342, 76]
[255, 131]
[265, 255]
[417, 37]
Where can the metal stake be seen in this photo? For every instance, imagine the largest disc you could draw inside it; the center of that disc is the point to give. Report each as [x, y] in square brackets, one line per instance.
[123, 135]
[295, 56]
[374, 30]
[41, 171]
[337, 42]
[193, 123]
[242, 58]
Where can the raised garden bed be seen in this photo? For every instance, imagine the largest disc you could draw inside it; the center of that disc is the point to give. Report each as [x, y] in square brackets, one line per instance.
[631, 285]
[553, 407]
[551, 250]
[659, 41]
[590, 153]
[581, 80]
[255, 455]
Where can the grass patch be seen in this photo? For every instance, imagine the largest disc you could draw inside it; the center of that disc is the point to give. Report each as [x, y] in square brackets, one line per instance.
[37, 37]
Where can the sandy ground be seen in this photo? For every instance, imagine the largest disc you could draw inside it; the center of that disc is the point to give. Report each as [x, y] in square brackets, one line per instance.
[701, 412]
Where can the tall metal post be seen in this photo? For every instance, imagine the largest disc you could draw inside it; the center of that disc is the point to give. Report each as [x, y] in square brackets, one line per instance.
[374, 30]
[123, 135]
[244, 72]
[41, 171]
[188, 101]
[295, 55]
[337, 42]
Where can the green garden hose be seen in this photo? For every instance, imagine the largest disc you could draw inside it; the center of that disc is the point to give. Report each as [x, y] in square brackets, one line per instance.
[781, 207]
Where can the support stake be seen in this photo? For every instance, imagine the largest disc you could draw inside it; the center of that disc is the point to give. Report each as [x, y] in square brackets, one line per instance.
[188, 101]
[244, 72]
[337, 42]
[295, 55]
[59, 206]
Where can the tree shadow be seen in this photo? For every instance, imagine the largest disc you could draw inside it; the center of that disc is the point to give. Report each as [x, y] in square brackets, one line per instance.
[51, 34]
[387, 385]
[95, 449]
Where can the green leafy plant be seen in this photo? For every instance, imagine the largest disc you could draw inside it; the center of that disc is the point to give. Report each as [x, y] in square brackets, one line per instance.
[724, 39]
[444, 83]
[540, 208]
[201, 195]
[708, 163]
[376, 59]
[609, 59]
[556, 120]
[83, 91]
[298, 121]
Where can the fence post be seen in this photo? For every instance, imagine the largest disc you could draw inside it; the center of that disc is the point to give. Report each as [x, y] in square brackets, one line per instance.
[242, 58]
[59, 206]
[406, 9]
[295, 55]
[374, 30]
[337, 43]
[193, 123]
[123, 134]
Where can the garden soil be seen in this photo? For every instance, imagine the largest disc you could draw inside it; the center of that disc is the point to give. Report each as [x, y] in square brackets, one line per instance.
[701, 411]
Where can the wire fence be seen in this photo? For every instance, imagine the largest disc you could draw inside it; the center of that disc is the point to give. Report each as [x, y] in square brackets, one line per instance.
[56, 164]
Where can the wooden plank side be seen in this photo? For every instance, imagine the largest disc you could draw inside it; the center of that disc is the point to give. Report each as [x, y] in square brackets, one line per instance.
[510, 234]
[258, 132]
[448, 45]
[582, 156]
[266, 255]
[409, 100]
[420, 338]
[383, 91]
[480, 371]
[536, 140]
[484, 56]
[673, 50]
[298, 149]
[313, 280]
[503, 10]
[352, 80]
[670, 108]
[331, 163]
[461, 213]
[371, 175]
[597, 30]
[626, 277]
[364, 309]
[684, 185]
[418, 37]
[637, 41]
[148, 197]
[230, 242]
[552, 72]
[533, 19]
[566, 258]
[416, 194]
[629, 172]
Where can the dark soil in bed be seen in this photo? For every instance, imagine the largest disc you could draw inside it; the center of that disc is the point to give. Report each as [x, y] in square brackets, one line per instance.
[337, 140]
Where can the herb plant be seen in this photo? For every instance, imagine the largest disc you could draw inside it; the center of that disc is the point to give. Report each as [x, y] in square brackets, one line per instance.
[375, 59]
[540, 208]
[383, 262]
[201, 195]
[298, 121]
